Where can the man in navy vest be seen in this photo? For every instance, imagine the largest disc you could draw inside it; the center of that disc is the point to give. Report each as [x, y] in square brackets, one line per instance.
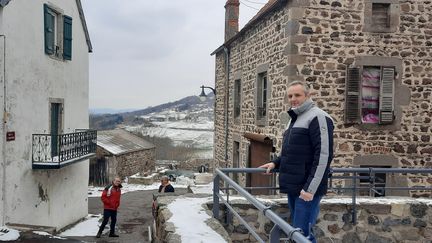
[303, 163]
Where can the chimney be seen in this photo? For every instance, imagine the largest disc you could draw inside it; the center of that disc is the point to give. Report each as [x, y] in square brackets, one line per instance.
[231, 18]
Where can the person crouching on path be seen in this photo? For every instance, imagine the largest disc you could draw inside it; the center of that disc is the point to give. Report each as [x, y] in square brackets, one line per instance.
[111, 200]
[165, 185]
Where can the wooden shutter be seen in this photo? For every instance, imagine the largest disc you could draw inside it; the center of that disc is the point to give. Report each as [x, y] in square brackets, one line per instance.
[49, 29]
[381, 15]
[67, 38]
[352, 94]
[386, 106]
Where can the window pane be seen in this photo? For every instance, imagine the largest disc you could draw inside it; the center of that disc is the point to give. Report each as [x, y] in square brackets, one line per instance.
[370, 94]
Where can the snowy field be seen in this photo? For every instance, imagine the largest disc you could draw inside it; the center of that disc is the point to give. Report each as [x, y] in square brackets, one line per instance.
[183, 133]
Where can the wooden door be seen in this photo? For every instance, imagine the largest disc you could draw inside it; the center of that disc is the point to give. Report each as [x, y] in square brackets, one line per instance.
[259, 154]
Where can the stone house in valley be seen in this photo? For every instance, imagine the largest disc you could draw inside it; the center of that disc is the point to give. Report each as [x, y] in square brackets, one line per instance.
[368, 62]
[120, 153]
[45, 144]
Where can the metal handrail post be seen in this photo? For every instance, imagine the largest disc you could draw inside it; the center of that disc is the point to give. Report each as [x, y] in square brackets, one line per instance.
[216, 181]
[275, 234]
[354, 194]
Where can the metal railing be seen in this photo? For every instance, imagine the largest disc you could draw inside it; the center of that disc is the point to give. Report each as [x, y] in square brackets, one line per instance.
[53, 151]
[352, 175]
[280, 225]
[369, 175]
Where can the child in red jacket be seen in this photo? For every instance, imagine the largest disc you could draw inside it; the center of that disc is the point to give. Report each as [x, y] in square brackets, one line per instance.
[111, 200]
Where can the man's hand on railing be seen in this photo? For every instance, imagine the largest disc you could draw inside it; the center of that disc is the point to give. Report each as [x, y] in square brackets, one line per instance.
[269, 166]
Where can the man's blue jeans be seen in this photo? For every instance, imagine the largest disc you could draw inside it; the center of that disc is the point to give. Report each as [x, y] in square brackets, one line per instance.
[304, 214]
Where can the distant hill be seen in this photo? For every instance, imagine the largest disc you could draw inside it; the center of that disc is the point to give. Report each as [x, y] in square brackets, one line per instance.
[190, 106]
[100, 111]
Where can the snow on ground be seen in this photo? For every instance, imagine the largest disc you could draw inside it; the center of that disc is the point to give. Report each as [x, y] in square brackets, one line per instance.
[88, 227]
[97, 191]
[7, 234]
[187, 212]
[203, 189]
[43, 233]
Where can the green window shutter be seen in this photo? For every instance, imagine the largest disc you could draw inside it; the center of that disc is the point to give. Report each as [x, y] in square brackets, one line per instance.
[67, 38]
[49, 30]
[386, 106]
[352, 95]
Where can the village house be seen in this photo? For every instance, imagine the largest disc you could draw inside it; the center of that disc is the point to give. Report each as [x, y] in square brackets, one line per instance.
[120, 153]
[369, 63]
[45, 143]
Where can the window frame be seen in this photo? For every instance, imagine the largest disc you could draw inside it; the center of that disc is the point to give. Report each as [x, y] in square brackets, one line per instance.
[237, 99]
[262, 98]
[351, 95]
[393, 16]
[58, 49]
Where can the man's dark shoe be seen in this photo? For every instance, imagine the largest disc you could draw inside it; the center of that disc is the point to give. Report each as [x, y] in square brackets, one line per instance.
[99, 234]
[113, 235]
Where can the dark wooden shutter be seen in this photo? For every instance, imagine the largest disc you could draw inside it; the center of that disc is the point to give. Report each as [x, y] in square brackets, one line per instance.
[67, 38]
[352, 93]
[386, 107]
[381, 15]
[49, 19]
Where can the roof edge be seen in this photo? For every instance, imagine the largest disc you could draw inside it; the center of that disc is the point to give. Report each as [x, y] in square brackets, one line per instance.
[250, 24]
[84, 25]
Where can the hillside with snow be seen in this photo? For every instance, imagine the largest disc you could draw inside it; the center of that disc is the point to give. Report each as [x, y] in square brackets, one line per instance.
[186, 124]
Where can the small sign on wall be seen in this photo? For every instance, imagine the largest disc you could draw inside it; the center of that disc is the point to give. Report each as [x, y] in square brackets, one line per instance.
[10, 136]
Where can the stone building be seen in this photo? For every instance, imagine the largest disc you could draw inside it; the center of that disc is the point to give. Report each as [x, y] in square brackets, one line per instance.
[368, 62]
[120, 153]
[44, 95]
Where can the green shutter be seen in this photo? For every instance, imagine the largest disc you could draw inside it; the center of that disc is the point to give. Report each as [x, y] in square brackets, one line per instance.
[49, 30]
[386, 108]
[67, 38]
[352, 95]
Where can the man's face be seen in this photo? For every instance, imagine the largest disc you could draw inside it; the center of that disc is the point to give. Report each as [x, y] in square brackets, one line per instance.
[296, 95]
[116, 181]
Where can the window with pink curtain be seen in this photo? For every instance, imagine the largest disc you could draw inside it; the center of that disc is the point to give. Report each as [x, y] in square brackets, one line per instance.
[370, 94]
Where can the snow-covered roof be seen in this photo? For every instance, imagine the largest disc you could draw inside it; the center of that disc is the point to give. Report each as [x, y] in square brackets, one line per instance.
[119, 141]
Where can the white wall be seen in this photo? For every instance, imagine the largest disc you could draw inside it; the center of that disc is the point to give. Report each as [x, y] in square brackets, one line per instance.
[2, 135]
[43, 197]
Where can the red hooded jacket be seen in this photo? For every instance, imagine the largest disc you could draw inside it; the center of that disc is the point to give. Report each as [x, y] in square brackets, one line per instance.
[111, 197]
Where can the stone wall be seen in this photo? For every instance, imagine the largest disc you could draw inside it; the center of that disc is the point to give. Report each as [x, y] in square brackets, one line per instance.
[391, 220]
[136, 162]
[194, 164]
[315, 41]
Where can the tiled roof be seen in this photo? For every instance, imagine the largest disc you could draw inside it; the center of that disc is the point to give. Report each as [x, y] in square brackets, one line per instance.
[120, 141]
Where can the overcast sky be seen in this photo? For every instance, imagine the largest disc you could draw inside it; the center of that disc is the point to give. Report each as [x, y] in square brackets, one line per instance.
[147, 52]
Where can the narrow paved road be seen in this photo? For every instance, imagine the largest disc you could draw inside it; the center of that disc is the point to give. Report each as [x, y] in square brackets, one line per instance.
[133, 219]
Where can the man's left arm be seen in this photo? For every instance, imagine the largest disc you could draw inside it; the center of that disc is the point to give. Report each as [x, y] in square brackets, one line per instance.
[321, 135]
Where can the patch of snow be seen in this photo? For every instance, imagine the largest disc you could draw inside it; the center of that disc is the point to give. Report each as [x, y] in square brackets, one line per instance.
[88, 227]
[7, 234]
[43, 233]
[97, 191]
[190, 210]
[203, 189]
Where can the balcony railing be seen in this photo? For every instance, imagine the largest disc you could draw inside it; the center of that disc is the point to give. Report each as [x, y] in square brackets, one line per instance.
[56, 151]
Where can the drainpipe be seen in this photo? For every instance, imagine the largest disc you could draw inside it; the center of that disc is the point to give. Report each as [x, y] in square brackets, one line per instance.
[227, 72]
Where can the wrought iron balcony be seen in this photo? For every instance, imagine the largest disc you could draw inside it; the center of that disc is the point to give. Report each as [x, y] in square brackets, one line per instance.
[56, 151]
